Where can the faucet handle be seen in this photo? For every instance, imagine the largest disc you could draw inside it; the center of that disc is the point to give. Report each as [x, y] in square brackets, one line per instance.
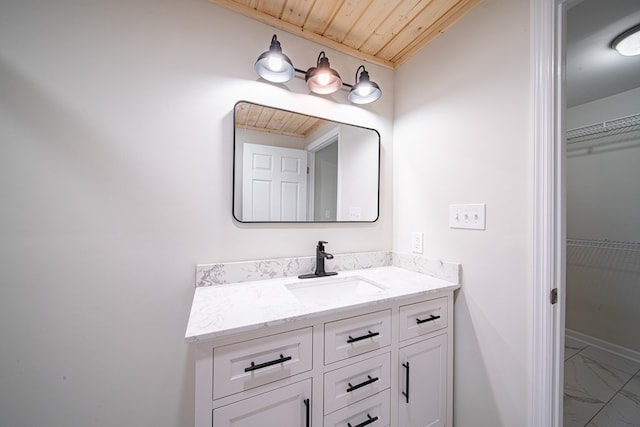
[321, 244]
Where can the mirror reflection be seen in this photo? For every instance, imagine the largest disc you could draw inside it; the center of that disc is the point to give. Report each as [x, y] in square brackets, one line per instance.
[292, 167]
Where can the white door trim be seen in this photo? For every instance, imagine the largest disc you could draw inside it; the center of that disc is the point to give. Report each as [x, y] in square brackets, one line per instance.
[548, 23]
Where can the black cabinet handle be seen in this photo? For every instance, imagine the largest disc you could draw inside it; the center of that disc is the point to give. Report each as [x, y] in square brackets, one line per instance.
[364, 423]
[429, 319]
[362, 384]
[307, 412]
[363, 337]
[406, 395]
[253, 366]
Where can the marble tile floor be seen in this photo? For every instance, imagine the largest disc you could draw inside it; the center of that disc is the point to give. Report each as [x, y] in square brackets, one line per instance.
[601, 389]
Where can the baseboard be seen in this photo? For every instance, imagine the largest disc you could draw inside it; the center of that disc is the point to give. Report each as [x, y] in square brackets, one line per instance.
[605, 345]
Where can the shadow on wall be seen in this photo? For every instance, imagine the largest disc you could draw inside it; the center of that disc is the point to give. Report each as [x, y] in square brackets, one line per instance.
[469, 366]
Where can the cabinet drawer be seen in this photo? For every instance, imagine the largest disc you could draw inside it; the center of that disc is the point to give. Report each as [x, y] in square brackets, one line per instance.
[356, 382]
[287, 406]
[422, 318]
[372, 412]
[249, 364]
[356, 335]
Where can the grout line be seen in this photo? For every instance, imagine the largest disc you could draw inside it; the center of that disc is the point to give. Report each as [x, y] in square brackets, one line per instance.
[612, 397]
[577, 352]
[617, 391]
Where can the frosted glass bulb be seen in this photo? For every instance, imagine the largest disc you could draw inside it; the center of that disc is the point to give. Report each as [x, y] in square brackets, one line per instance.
[364, 89]
[323, 79]
[275, 63]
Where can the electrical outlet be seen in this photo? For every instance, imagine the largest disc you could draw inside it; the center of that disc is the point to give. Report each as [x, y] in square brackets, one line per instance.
[416, 242]
[355, 213]
[471, 216]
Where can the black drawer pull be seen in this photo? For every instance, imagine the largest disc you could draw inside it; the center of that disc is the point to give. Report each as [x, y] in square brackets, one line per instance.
[253, 366]
[406, 395]
[364, 337]
[307, 411]
[362, 384]
[431, 318]
[365, 423]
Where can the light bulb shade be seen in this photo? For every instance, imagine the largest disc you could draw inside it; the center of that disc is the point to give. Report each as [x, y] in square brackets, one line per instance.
[364, 91]
[628, 43]
[273, 65]
[323, 79]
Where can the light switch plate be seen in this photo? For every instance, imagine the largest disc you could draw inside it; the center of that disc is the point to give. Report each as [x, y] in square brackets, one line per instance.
[416, 242]
[355, 213]
[471, 216]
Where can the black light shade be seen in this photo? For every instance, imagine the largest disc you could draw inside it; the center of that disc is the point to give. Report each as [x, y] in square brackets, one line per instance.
[273, 65]
[364, 91]
[322, 78]
[628, 43]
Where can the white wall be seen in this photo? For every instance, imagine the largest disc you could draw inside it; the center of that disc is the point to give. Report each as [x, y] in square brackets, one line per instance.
[603, 202]
[609, 108]
[461, 136]
[603, 195]
[116, 132]
[358, 185]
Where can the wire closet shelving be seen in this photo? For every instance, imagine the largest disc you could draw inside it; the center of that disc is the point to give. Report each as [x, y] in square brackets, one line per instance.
[592, 247]
[605, 244]
[605, 254]
[599, 130]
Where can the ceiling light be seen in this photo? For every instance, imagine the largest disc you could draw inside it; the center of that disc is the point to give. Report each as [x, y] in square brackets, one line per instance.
[322, 78]
[273, 65]
[628, 43]
[364, 91]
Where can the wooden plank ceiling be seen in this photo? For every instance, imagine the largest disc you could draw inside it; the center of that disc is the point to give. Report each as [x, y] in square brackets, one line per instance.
[266, 119]
[383, 32]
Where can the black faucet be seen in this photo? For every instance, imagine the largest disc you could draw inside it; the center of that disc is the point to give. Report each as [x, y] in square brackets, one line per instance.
[320, 257]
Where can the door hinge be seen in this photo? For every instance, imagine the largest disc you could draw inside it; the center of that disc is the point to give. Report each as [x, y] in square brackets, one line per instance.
[307, 170]
[554, 295]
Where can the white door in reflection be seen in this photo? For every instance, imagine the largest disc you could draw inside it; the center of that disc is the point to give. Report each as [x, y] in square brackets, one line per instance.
[274, 183]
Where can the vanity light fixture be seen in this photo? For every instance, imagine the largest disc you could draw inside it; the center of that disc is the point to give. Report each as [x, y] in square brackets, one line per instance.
[276, 67]
[322, 78]
[364, 91]
[628, 43]
[273, 65]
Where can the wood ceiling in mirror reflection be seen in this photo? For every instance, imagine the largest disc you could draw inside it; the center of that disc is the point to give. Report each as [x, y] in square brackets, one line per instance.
[383, 32]
[265, 119]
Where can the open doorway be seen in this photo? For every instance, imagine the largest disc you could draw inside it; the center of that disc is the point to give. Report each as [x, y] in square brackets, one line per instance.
[601, 385]
[549, 229]
[325, 182]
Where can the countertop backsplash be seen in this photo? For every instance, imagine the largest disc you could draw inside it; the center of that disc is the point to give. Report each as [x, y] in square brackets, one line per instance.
[245, 271]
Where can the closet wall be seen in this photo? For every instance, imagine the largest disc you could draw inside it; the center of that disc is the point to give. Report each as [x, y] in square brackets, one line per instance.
[603, 219]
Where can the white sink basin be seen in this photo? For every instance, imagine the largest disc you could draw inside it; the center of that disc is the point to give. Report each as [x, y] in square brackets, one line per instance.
[326, 290]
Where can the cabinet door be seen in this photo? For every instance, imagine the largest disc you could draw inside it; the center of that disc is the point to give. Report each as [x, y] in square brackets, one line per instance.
[287, 406]
[422, 399]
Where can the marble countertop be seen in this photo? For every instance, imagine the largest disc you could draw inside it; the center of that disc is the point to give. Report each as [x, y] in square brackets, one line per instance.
[223, 310]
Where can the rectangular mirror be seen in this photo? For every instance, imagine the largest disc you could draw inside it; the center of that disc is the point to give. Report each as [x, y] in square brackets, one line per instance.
[292, 167]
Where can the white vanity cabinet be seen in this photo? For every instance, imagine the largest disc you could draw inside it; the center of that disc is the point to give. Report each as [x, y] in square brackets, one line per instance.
[383, 363]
